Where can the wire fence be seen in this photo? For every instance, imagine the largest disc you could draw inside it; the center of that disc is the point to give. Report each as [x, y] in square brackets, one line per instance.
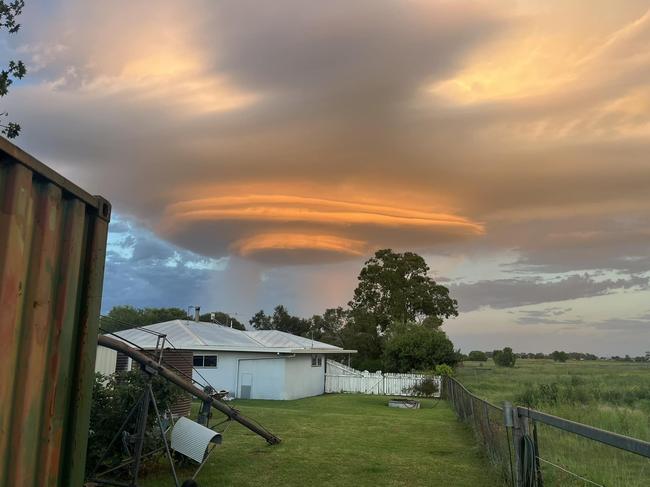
[487, 421]
[528, 448]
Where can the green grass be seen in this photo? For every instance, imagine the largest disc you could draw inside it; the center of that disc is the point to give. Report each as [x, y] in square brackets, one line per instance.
[610, 395]
[342, 440]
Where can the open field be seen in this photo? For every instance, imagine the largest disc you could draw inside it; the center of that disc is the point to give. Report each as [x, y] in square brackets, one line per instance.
[610, 395]
[345, 440]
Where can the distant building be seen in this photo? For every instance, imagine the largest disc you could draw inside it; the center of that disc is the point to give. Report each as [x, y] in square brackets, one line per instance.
[264, 364]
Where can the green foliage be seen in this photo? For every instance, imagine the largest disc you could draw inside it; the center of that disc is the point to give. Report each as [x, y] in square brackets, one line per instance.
[444, 369]
[281, 320]
[361, 334]
[427, 388]
[575, 390]
[124, 317]
[611, 395]
[329, 326]
[261, 321]
[113, 398]
[396, 288]
[477, 356]
[16, 69]
[412, 347]
[559, 356]
[223, 319]
[504, 358]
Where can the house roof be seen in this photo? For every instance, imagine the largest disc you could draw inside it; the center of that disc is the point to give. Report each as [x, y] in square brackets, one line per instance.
[199, 335]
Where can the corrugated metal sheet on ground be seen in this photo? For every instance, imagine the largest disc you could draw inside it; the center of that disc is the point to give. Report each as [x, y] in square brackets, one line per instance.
[192, 439]
[52, 251]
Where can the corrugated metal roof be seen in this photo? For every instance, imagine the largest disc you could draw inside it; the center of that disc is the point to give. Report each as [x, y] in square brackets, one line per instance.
[198, 335]
[275, 338]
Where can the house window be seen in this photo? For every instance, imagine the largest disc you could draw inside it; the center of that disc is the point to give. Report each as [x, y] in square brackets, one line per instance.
[316, 361]
[205, 361]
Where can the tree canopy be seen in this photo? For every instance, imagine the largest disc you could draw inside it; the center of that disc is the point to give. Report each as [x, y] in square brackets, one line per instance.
[15, 69]
[224, 319]
[504, 358]
[396, 288]
[126, 316]
[477, 356]
[416, 348]
[281, 320]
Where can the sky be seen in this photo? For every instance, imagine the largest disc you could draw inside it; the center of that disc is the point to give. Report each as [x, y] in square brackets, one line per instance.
[257, 153]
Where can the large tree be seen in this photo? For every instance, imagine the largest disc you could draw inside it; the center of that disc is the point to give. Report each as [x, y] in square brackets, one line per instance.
[281, 320]
[362, 334]
[397, 288]
[15, 69]
[329, 326]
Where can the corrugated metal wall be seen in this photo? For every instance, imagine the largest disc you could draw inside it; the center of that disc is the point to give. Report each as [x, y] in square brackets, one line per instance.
[180, 361]
[52, 252]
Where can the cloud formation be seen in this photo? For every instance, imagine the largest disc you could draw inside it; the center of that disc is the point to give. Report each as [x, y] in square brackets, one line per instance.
[308, 134]
[508, 293]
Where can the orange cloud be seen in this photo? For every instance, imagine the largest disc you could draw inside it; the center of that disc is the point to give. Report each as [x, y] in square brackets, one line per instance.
[268, 225]
[297, 208]
[296, 241]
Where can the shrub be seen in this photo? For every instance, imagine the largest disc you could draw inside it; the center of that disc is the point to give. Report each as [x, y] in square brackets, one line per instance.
[414, 347]
[427, 388]
[113, 398]
[559, 356]
[477, 356]
[444, 369]
[504, 358]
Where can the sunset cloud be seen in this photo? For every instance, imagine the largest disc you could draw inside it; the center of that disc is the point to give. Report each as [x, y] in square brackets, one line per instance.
[508, 139]
[263, 225]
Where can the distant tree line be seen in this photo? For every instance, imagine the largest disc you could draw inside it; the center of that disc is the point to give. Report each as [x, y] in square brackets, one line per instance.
[557, 355]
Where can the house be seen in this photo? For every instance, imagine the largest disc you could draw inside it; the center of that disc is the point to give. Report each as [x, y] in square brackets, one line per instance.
[261, 364]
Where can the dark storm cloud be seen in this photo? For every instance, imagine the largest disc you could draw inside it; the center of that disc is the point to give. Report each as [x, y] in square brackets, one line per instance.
[508, 293]
[142, 270]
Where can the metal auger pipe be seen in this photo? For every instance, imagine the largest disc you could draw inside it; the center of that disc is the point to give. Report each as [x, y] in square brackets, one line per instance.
[167, 374]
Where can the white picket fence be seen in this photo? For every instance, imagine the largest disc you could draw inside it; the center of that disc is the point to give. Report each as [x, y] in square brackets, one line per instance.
[341, 378]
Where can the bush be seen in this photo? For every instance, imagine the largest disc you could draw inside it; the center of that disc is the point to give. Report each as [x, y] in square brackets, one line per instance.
[559, 356]
[113, 398]
[504, 358]
[427, 388]
[477, 356]
[413, 347]
[444, 369]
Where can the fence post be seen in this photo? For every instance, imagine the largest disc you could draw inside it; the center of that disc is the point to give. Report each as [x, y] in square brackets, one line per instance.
[518, 432]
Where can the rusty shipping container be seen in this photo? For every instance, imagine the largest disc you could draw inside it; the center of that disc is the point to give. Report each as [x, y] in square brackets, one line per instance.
[52, 252]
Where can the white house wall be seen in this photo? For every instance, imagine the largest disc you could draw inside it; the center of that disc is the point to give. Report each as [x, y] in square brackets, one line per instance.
[105, 360]
[270, 376]
[265, 376]
[303, 380]
[226, 374]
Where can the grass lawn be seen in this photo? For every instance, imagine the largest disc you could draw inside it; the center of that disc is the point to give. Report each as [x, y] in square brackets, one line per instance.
[340, 440]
